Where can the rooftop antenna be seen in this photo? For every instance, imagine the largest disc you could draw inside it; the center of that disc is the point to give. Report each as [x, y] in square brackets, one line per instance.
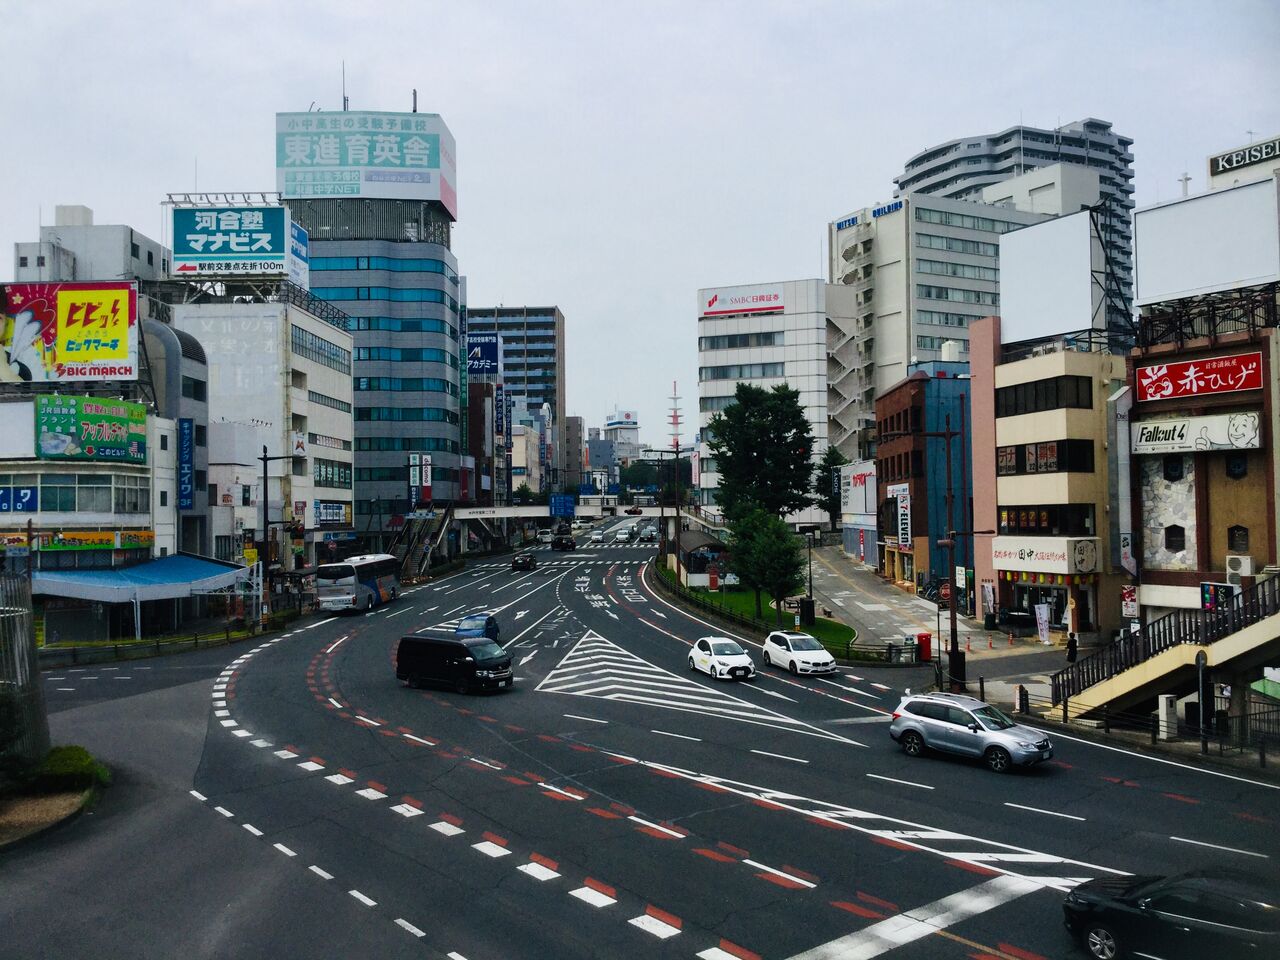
[415, 99]
[344, 86]
[1184, 180]
[1250, 134]
[675, 418]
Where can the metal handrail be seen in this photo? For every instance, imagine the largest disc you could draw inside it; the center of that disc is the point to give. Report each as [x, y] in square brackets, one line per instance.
[1200, 627]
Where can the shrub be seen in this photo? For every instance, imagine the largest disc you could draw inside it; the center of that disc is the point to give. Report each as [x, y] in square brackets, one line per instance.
[69, 768]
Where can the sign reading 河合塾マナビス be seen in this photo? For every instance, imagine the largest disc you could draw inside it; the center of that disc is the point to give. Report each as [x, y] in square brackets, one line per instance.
[482, 353]
[1220, 431]
[391, 156]
[1202, 377]
[69, 331]
[90, 428]
[230, 241]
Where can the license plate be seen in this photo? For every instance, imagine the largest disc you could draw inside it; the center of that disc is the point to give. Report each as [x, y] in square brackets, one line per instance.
[507, 682]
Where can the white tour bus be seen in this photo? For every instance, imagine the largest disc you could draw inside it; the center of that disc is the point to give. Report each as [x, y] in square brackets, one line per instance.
[358, 583]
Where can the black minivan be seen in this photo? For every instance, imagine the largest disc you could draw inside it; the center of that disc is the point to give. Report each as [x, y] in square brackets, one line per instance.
[464, 663]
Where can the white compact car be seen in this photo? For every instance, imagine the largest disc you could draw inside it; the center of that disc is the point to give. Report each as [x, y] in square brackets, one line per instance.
[597, 536]
[623, 535]
[545, 536]
[722, 658]
[797, 652]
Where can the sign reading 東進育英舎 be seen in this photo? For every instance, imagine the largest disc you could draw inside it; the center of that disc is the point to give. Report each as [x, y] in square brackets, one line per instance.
[69, 331]
[230, 241]
[373, 154]
[90, 428]
[1221, 431]
[1198, 378]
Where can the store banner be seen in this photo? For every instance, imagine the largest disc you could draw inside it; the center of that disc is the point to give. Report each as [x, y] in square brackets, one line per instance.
[1042, 622]
[186, 464]
[1222, 431]
[90, 428]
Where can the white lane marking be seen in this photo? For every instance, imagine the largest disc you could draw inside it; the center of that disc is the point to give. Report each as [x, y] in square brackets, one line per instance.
[678, 736]
[574, 716]
[261, 743]
[454, 955]
[905, 783]
[398, 612]
[528, 658]
[283, 849]
[362, 898]
[198, 795]
[425, 743]
[372, 723]
[340, 779]
[1052, 813]
[335, 703]
[521, 613]
[659, 928]
[447, 828]
[876, 718]
[242, 733]
[65, 689]
[781, 873]
[592, 896]
[225, 812]
[318, 623]
[768, 692]
[228, 723]
[371, 794]
[55, 678]
[715, 953]
[323, 875]
[880, 938]
[512, 641]
[285, 754]
[219, 703]
[491, 849]
[485, 763]
[407, 810]
[880, 686]
[547, 786]
[656, 826]
[252, 829]
[1172, 763]
[780, 756]
[311, 766]
[430, 609]
[659, 613]
[1201, 843]
[334, 646]
[405, 924]
[538, 871]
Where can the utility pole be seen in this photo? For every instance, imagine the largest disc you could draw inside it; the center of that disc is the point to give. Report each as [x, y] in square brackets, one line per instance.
[264, 554]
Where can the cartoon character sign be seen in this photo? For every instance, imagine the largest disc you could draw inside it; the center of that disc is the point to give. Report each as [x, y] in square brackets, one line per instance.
[69, 331]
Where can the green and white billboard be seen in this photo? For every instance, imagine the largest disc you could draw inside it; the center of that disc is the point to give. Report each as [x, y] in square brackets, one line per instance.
[90, 428]
[230, 241]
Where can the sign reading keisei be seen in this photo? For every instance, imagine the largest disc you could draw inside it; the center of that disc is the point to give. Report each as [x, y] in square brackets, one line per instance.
[230, 241]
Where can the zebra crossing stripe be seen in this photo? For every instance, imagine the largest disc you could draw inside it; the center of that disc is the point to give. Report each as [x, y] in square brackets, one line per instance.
[597, 667]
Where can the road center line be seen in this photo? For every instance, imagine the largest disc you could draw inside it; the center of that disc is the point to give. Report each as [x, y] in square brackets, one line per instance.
[574, 716]
[779, 873]
[1051, 813]
[906, 783]
[334, 646]
[678, 736]
[1201, 843]
[780, 756]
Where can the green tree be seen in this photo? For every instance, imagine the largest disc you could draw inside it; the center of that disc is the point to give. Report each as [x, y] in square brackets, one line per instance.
[640, 474]
[826, 494]
[767, 557]
[522, 495]
[761, 444]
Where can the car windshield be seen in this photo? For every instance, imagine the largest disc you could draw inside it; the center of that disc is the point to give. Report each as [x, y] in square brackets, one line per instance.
[726, 648]
[805, 643]
[993, 719]
[472, 623]
[486, 651]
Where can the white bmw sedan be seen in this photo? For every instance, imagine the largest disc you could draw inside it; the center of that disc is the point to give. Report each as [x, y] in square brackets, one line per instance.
[798, 653]
[722, 658]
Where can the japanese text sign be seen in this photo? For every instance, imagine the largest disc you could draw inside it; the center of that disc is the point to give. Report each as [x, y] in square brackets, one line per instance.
[88, 428]
[482, 352]
[186, 464]
[225, 241]
[70, 331]
[395, 156]
[1198, 378]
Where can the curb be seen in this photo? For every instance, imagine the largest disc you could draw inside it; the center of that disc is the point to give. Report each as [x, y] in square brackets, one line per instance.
[86, 798]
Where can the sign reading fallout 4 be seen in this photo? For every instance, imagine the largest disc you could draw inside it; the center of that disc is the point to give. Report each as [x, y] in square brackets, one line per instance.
[230, 240]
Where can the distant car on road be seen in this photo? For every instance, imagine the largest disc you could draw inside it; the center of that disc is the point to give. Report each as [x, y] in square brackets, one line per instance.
[798, 653]
[564, 543]
[648, 535]
[953, 723]
[721, 658]
[545, 536]
[478, 625]
[1222, 914]
[623, 535]
[524, 561]
[633, 511]
[597, 536]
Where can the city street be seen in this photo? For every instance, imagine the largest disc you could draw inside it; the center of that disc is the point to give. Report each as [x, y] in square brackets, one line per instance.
[295, 799]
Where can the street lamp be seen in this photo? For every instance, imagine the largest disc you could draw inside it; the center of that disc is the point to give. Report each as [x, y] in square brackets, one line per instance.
[809, 539]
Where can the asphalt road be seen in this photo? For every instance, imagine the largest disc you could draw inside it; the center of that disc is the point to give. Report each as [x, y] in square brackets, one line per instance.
[301, 802]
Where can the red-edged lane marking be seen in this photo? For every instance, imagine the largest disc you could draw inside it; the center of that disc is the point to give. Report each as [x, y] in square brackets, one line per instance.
[1018, 952]
[858, 910]
[972, 868]
[1120, 781]
[657, 922]
[1180, 798]
[877, 902]
[783, 878]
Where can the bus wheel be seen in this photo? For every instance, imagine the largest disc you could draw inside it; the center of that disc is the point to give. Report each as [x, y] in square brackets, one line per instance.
[368, 604]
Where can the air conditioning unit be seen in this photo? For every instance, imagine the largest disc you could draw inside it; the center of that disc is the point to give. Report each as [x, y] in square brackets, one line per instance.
[1238, 565]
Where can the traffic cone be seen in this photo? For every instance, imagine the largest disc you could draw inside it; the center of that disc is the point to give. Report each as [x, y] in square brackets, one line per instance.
[1011, 638]
[990, 643]
[968, 646]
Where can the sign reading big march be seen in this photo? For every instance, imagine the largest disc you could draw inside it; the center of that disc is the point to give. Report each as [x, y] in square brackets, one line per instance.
[69, 331]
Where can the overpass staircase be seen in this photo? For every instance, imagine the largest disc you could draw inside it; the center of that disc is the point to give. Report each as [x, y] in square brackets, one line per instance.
[416, 539]
[1161, 658]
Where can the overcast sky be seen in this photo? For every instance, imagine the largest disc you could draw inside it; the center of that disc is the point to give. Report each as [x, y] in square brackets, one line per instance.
[614, 157]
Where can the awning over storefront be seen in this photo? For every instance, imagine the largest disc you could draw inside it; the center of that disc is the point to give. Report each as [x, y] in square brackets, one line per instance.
[166, 578]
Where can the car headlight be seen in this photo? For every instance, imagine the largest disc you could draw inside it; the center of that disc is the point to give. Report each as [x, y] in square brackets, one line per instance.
[1073, 897]
[1026, 745]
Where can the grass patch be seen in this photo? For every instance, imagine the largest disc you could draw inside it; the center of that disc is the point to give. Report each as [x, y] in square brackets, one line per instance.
[832, 634]
[68, 768]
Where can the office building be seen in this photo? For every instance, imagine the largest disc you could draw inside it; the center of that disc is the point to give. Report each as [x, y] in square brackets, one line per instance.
[575, 453]
[532, 351]
[376, 192]
[623, 428]
[919, 270]
[75, 248]
[961, 169]
[767, 334]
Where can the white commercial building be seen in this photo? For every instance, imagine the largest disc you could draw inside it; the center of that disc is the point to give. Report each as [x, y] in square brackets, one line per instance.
[622, 427]
[766, 334]
[279, 376]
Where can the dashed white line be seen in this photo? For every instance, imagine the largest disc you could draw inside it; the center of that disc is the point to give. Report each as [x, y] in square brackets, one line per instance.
[225, 812]
[323, 875]
[372, 723]
[905, 783]
[371, 794]
[1051, 813]
[405, 924]
[592, 896]
[311, 766]
[425, 743]
[334, 646]
[252, 829]
[341, 779]
[491, 849]
[780, 873]
[407, 810]
[1201, 843]
[335, 703]
[198, 795]
[362, 898]
[446, 828]
[283, 849]
[574, 716]
[285, 754]
[657, 826]
[678, 736]
[780, 756]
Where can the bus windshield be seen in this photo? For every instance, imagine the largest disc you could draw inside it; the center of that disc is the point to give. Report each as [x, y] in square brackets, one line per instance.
[335, 571]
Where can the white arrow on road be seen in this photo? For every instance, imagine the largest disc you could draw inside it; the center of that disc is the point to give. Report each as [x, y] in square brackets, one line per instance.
[528, 658]
[612, 614]
[521, 614]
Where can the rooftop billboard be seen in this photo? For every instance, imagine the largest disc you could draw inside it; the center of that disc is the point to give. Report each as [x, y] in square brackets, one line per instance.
[391, 156]
[55, 332]
[230, 241]
[90, 428]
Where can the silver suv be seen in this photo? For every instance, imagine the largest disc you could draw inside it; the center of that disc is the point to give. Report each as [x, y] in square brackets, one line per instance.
[953, 723]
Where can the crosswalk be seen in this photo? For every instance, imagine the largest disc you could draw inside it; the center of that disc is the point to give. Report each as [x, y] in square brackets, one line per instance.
[596, 667]
[549, 564]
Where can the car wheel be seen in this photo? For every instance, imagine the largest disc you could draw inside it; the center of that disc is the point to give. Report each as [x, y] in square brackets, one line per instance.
[912, 744]
[1101, 943]
[998, 760]
[692, 666]
[461, 685]
[792, 667]
[767, 661]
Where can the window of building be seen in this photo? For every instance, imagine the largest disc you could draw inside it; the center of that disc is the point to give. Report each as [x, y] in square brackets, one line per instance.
[968, 271]
[164, 441]
[132, 495]
[1175, 538]
[935, 343]
[223, 545]
[327, 401]
[1237, 465]
[202, 480]
[194, 389]
[134, 250]
[246, 493]
[40, 260]
[1238, 539]
[313, 347]
[406, 414]
[733, 341]
[22, 261]
[1037, 396]
[1052, 456]
[1174, 467]
[151, 258]
[741, 371]
[957, 294]
[407, 384]
[406, 355]
[330, 473]
[164, 498]
[1048, 520]
[93, 493]
[201, 435]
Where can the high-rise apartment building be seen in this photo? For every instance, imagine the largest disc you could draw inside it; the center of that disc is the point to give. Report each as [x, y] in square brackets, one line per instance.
[575, 452]
[377, 194]
[918, 270]
[532, 354]
[960, 169]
